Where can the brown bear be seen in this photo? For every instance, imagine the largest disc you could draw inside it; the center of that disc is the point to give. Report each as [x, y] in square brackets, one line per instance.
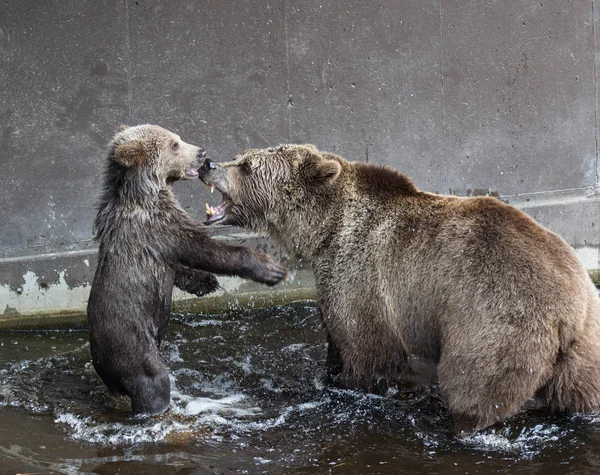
[147, 242]
[502, 305]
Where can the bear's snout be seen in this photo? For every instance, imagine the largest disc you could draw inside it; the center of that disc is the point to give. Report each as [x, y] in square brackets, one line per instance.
[208, 165]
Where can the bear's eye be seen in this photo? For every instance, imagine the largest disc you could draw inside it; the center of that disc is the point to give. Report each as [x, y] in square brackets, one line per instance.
[175, 146]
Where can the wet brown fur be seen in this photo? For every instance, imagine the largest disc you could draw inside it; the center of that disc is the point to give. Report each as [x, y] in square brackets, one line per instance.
[147, 243]
[501, 304]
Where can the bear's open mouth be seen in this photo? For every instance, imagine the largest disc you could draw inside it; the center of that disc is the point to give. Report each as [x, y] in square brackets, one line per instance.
[191, 172]
[217, 214]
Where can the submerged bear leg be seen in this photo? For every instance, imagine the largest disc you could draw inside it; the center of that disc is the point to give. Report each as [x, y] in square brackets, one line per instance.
[475, 406]
[482, 388]
[150, 390]
[575, 382]
[334, 363]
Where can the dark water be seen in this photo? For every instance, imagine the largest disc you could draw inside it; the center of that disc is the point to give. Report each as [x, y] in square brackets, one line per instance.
[248, 397]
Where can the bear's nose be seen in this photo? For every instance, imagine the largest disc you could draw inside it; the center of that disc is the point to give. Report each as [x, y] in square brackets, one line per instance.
[201, 153]
[208, 165]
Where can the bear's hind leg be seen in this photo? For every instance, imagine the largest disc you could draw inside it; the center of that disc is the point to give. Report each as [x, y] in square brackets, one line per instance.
[333, 363]
[575, 382]
[476, 406]
[150, 390]
[482, 388]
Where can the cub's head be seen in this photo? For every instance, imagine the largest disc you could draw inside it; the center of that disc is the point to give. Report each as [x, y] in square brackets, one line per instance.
[263, 188]
[156, 150]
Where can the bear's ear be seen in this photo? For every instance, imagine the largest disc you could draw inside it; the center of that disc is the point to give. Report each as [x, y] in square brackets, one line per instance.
[123, 127]
[319, 169]
[131, 154]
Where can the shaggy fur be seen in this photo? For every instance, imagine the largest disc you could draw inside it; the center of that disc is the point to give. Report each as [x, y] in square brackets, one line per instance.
[501, 304]
[147, 242]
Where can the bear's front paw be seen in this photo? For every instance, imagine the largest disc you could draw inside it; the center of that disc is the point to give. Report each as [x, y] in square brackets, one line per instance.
[268, 270]
[195, 281]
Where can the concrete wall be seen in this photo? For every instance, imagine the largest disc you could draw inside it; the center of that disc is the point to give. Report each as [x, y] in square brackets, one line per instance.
[466, 97]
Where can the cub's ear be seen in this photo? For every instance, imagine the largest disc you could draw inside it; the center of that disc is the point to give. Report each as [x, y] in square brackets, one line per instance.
[319, 169]
[131, 154]
[123, 127]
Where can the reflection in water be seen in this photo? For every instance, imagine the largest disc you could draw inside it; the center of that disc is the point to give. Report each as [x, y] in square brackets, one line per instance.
[247, 396]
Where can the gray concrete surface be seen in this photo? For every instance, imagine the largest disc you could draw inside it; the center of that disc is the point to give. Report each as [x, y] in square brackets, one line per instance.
[466, 97]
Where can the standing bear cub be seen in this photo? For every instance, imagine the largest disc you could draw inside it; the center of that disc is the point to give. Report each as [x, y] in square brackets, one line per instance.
[502, 305]
[147, 242]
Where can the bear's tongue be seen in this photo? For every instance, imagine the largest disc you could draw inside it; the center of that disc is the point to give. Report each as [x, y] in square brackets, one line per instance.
[191, 172]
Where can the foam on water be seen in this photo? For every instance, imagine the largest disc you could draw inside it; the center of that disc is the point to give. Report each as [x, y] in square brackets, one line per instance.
[116, 433]
[294, 347]
[205, 323]
[227, 405]
[529, 442]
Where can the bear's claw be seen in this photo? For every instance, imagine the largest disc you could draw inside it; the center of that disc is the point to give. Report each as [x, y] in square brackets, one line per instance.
[269, 271]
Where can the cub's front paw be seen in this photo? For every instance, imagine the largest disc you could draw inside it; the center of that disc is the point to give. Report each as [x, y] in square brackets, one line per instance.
[267, 270]
[195, 281]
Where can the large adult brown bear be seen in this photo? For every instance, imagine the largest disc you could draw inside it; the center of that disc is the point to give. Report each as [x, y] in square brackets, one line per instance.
[147, 242]
[501, 304]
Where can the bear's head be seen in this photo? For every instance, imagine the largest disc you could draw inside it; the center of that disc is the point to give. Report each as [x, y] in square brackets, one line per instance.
[157, 151]
[265, 188]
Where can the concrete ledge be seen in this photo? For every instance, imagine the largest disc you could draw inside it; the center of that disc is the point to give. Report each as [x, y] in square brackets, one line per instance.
[49, 287]
[210, 304]
[65, 320]
[50, 291]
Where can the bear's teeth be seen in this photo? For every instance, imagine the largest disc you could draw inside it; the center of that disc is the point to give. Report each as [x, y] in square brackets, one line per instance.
[212, 188]
[210, 210]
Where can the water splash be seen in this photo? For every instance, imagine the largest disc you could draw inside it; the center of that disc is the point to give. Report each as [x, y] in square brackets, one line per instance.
[252, 383]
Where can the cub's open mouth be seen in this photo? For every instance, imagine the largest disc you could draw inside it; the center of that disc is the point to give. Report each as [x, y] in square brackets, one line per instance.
[191, 172]
[217, 214]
